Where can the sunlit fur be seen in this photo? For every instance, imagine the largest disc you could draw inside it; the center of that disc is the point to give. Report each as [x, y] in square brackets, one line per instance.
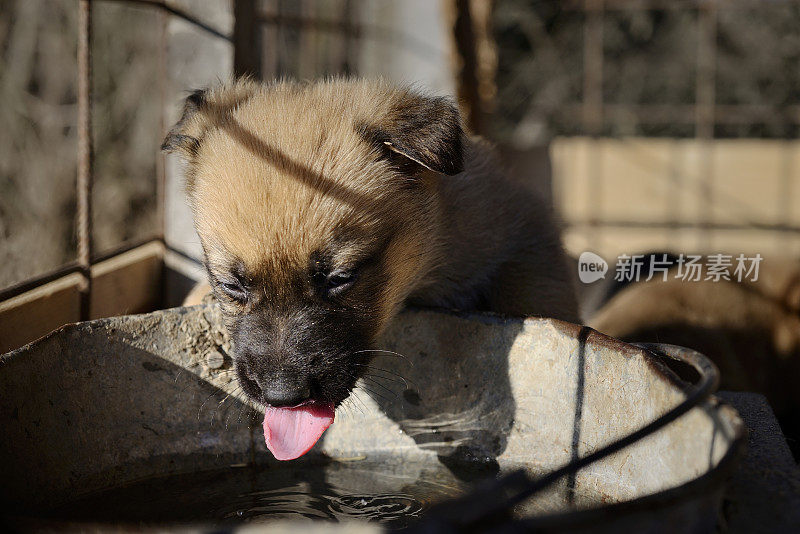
[359, 173]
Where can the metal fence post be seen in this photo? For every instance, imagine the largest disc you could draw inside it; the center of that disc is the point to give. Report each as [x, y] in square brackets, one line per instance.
[246, 39]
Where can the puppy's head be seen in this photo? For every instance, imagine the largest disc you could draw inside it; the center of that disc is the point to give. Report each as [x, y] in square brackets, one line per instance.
[316, 205]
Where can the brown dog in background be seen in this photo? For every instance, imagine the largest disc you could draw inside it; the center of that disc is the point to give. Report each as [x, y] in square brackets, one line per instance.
[323, 208]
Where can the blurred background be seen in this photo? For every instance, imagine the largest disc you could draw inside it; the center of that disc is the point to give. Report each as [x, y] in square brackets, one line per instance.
[652, 125]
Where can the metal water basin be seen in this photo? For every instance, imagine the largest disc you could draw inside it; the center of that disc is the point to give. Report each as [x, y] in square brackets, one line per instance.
[113, 403]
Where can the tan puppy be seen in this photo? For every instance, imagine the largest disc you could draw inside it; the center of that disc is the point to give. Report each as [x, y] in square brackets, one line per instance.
[323, 208]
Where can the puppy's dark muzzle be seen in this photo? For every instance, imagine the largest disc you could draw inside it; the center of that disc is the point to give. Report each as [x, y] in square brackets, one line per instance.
[284, 391]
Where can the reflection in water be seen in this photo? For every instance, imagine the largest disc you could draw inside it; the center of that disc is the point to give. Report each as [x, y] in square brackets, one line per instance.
[384, 507]
[393, 494]
[292, 502]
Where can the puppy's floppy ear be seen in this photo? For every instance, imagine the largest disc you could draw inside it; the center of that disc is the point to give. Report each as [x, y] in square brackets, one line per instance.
[421, 130]
[185, 135]
[203, 110]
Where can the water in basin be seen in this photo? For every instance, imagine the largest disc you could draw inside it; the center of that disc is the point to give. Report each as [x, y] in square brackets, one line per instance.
[332, 491]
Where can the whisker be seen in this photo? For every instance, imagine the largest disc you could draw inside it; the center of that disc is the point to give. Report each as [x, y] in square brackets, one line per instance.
[223, 400]
[228, 416]
[392, 380]
[376, 368]
[349, 405]
[200, 409]
[373, 381]
[383, 351]
[364, 408]
[373, 392]
[369, 367]
[360, 404]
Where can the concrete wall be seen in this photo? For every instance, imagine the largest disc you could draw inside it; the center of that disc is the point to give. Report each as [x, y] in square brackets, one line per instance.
[415, 46]
[195, 59]
[746, 190]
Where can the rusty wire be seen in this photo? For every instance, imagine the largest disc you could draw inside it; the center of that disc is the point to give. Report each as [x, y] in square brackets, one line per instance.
[182, 14]
[83, 217]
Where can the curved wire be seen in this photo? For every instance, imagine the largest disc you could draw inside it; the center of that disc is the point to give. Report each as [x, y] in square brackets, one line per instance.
[496, 498]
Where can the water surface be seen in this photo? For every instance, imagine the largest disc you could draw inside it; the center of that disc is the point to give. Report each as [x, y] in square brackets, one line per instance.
[358, 489]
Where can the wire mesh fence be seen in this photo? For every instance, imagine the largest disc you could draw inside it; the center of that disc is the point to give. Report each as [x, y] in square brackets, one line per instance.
[584, 76]
[652, 105]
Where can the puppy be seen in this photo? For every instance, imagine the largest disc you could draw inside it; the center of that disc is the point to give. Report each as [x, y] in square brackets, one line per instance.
[323, 208]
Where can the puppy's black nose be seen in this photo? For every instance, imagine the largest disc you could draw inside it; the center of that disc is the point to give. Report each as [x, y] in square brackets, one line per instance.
[286, 393]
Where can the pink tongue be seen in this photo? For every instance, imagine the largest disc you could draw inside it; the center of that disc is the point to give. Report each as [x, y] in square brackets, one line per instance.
[291, 432]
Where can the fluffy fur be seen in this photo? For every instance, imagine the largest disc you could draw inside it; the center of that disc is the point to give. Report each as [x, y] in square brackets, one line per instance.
[324, 207]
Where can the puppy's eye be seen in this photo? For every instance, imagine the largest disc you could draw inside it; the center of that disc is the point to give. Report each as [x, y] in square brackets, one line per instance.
[341, 279]
[235, 290]
[332, 281]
